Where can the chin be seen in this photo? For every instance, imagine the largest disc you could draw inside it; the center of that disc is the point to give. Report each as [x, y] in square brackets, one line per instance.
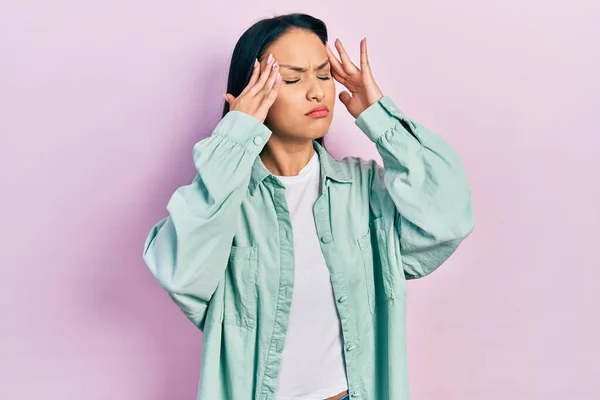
[310, 130]
[319, 125]
[318, 133]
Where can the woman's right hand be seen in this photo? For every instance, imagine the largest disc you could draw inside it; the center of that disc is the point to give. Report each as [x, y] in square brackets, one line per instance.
[260, 93]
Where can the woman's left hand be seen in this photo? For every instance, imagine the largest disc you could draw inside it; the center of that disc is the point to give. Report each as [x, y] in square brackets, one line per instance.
[360, 82]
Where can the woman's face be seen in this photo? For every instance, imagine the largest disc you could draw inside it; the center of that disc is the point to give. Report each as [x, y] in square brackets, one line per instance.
[307, 83]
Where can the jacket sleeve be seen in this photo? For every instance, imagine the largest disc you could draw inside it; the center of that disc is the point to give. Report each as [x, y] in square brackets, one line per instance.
[426, 182]
[187, 252]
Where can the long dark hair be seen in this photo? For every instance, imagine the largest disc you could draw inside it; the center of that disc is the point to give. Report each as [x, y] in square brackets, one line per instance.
[253, 43]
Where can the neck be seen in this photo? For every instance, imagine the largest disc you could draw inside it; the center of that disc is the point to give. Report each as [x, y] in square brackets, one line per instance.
[286, 158]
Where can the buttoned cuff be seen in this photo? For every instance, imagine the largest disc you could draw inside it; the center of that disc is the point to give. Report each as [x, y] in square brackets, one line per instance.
[380, 117]
[243, 129]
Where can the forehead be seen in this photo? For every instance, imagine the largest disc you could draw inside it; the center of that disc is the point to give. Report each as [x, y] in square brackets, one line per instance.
[298, 47]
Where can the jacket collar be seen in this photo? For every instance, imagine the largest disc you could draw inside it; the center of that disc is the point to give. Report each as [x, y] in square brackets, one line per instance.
[330, 168]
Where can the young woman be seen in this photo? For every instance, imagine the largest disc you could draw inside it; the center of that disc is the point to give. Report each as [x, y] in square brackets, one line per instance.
[292, 263]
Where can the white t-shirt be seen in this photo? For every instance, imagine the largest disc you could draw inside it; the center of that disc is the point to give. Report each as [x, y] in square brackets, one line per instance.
[312, 365]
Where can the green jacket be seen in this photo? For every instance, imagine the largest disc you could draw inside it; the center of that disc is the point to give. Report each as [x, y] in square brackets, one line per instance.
[225, 253]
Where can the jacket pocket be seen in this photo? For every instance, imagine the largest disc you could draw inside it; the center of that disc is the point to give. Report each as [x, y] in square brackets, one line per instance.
[382, 257]
[239, 303]
[364, 243]
[378, 276]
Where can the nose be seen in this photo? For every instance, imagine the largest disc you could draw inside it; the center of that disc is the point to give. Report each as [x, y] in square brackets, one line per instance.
[315, 92]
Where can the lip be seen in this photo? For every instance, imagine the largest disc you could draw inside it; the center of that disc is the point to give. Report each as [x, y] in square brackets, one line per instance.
[318, 112]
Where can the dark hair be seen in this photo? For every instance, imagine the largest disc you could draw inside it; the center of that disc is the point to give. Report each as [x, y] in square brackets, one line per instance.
[254, 42]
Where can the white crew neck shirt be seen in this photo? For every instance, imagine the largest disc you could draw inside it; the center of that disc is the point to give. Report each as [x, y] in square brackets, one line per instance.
[312, 365]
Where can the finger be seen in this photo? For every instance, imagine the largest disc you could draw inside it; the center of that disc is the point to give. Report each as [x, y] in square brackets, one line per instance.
[253, 77]
[272, 77]
[264, 75]
[364, 57]
[271, 96]
[336, 65]
[347, 64]
[341, 79]
[345, 98]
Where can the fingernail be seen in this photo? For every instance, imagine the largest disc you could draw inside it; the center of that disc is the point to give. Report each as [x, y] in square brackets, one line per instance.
[278, 78]
[256, 63]
[274, 66]
[270, 58]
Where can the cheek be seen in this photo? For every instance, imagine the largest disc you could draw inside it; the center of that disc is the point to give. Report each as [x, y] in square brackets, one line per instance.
[287, 101]
[331, 91]
[281, 112]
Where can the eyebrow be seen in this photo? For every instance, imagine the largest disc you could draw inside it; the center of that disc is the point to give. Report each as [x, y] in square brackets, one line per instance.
[300, 69]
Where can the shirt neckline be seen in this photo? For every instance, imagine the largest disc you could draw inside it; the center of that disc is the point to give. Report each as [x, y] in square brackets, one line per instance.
[304, 173]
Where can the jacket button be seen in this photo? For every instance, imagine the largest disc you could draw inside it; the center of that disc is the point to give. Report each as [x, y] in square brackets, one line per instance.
[342, 299]
[258, 140]
[326, 239]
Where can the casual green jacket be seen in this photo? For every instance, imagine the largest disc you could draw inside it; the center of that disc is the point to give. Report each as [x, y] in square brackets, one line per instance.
[225, 252]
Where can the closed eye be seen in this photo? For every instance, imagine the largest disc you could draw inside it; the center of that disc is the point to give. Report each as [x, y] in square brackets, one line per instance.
[323, 78]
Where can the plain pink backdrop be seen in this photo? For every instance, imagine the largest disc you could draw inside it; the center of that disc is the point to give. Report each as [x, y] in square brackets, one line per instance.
[102, 101]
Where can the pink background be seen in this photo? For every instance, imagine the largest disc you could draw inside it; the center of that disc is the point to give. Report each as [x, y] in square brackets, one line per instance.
[102, 101]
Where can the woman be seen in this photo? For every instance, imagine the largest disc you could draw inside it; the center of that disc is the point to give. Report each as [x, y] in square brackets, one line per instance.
[292, 263]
